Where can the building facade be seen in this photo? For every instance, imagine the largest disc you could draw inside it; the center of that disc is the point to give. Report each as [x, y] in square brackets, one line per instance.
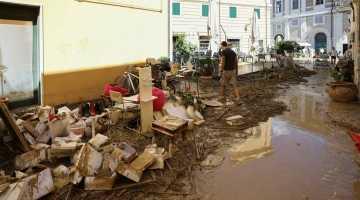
[67, 51]
[316, 22]
[233, 22]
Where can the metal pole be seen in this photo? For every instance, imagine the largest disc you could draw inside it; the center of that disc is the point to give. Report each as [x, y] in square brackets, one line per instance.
[219, 24]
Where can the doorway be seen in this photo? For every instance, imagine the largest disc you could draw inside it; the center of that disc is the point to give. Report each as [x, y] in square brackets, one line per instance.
[320, 42]
[20, 54]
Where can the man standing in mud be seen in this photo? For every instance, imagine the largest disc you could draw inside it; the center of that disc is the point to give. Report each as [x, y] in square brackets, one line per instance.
[229, 64]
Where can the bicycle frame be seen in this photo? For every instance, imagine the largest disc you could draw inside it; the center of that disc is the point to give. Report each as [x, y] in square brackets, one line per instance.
[129, 79]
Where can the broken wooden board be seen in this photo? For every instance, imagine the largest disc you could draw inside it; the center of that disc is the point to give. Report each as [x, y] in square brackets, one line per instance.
[212, 103]
[99, 141]
[13, 128]
[38, 185]
[30, 158]
[28, 126]
[143, 161]
[130, 153]
[235, 120]
[88, 161]
[14, 192]
[104, 182]
[129, 171]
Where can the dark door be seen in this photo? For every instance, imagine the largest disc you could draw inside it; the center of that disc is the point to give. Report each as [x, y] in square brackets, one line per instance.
[320, 42]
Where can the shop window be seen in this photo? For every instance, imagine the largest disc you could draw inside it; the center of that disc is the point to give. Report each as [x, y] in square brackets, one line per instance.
[176, 9]
[205, 10]
[232, 12]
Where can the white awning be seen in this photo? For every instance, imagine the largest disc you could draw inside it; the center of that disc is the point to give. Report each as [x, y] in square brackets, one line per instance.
[233, 35]
[304, 44]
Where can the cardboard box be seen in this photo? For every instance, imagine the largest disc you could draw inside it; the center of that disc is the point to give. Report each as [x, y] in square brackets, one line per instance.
[130, 153]
[104, 182]
[38, 185]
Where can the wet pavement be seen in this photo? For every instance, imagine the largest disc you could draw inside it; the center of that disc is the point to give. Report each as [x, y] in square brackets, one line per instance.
[302, 154]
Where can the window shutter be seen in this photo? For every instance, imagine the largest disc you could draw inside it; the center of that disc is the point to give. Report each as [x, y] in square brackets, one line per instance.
[205, 10]
[176, 8]
[257, 10]
[232, 12]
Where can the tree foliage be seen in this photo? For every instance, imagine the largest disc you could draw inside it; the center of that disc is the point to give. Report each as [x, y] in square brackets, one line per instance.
[282, 46]
[183, 48]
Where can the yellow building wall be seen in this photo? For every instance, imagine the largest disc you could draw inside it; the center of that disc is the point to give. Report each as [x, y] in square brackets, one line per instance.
[86, 45]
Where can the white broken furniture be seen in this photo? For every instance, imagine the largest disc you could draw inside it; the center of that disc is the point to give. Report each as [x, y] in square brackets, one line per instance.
[123, 105]
[93, 122]
[170, 126]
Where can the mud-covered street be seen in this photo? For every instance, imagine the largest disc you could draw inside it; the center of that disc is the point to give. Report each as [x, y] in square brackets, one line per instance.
[292, 145]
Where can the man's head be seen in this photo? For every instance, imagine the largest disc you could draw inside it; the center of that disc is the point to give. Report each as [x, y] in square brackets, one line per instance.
[350, 46]
[224, 44]
[333, 48]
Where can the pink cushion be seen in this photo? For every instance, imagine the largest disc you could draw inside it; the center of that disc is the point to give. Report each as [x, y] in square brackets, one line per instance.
[116, 88]
[160, 101]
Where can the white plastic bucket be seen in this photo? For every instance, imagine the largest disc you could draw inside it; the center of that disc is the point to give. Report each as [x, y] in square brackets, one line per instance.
[115, 115]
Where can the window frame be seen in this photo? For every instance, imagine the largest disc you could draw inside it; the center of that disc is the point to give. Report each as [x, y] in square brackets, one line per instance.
[292, 4]
[298, 24]
[276, 8]
[235, 12]
[316, 4]
[172, 9]
[317, 17]
[276, 27]
[202, 10]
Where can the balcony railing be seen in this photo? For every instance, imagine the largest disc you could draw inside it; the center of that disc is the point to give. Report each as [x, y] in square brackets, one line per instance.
[343, 5]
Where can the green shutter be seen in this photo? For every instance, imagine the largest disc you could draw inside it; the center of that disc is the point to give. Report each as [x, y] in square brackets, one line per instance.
[176, 8]
[232, 12]
[257, 10]
[205, 10]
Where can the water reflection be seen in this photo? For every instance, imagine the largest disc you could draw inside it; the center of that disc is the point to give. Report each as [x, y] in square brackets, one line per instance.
[256, 147]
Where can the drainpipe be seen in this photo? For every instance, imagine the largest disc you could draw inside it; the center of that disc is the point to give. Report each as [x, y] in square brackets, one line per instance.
[266, 28]
[332, 23]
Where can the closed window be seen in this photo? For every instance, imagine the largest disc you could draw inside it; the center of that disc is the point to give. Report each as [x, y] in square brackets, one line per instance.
[205, 10]
[295, 4]
[278, 6]
[232, 12]
[319, 2]
[294, 22]
[176, 8]
[257, 10]
[319, 20]
[278, 27]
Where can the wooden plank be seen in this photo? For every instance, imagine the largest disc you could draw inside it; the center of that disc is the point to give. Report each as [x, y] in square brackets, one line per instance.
[13, 128]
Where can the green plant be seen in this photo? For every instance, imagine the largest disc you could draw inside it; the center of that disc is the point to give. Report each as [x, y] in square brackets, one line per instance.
[163, 58]
[184, 48]
[282, 46]
[207, 66]
[338, 76]
[189, 98]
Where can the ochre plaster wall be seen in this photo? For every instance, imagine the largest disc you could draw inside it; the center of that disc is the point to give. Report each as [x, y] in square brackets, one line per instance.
[86, 44]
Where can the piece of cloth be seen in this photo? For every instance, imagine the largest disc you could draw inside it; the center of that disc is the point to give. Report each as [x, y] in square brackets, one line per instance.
[228, 77]
[229, 59]
[115, 88]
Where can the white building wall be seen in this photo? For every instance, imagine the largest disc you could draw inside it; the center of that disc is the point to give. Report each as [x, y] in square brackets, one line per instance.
[191, 22]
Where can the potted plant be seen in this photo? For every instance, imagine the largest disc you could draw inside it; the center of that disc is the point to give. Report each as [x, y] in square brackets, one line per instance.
[282, 46]
[339, 90]
[206, 68]
[298, 54]
[183, 48]
[165, 62]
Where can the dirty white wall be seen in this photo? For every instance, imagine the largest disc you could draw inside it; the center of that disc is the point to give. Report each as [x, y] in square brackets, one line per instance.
[86, 44]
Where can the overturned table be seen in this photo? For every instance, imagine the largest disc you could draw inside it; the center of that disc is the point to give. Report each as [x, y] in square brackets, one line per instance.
[172, 127]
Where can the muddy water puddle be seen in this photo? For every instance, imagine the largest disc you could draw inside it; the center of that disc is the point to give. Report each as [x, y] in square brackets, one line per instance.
[302, 154]
[282, 161]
